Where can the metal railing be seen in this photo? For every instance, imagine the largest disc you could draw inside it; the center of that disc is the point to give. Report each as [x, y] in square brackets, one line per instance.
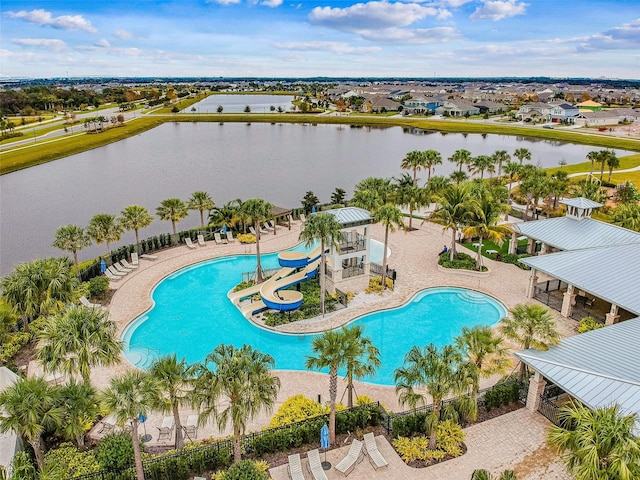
[549, 410]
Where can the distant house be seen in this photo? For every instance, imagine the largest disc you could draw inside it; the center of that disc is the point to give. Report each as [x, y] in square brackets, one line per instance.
[380, 104]
[607, 117]
[487, 106]
[534, 110]
[421, 104]
[590, 105]
[458, 108]
[563, 112]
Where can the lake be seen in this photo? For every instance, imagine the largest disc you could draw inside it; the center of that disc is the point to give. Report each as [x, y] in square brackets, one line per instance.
[238, 103]
[277, 162]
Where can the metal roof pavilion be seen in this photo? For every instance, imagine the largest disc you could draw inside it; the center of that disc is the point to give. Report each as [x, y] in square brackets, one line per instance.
[351, 216]
[600, 368]
[611, 272]
[581, 202]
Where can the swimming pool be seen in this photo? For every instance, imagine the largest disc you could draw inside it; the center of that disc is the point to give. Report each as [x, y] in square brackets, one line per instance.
[191, 315]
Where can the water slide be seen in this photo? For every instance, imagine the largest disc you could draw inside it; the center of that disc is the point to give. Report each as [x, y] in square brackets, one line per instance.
[297, 267]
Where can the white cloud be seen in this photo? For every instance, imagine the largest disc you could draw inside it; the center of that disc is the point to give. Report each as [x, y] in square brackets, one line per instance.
[52, 44]
[339, 48]
[103, 43]
[63, 22]
[626, 36]
[123, 34]
[271, 3]
[499, 9]
[417, 36]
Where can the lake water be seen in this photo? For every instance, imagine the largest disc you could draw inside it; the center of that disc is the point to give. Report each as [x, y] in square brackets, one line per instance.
[277, 162]
[238, 103]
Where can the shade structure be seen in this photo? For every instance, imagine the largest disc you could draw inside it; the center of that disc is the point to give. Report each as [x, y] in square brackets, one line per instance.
[324, 443]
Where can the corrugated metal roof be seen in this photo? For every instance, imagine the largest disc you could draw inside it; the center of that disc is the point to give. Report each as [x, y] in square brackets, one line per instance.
[581, 202]
[566, 233]
[349, 215]
[610, 273]
[600, 368]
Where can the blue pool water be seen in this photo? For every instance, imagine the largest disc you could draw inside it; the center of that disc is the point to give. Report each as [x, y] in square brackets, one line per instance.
[192, 315]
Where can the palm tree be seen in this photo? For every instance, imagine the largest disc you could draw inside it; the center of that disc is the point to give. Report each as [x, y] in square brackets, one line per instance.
[390, 217]
[458, 176]
[322, 227]
[200, 201]
[558, 186]
[72, 238]
[80, 404]
[530, 326]
[590, 189]
[484, 213]
[129, 395]
[241, 378]
[367, 199]
[29, 408]
[500, 157]
[40, 288]
[605, 157]
[361, 358]
[105, 228]
[452, 211]
[535, 185]
[627, 215]
[173, 210]
[460, 158]
[256, 211]
[612, 162]
[593, 157]
[381, 186]
[597, 444]
[431, 159]
[175, 378]
[329, 351]
[522, 154]
[484, 351]
[228, 214]
[77, 340]
[481, 163]
[415, 160]
[438, 372]
[135, 217]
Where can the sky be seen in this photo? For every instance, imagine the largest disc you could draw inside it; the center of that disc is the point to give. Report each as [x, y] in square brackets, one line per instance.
[330, 38]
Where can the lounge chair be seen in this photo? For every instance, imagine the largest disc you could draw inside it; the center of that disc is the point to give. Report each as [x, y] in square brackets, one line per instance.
[371, 447]
[268, 227]
[126, 264]
[120, 268]
[218, 238]
[355, 455]
[107, 424]
[111, 276]
[262, 230]
[295, 467]
[191, 427]
[315, 466]
[230, 238]
[253, 231]
[87, 303]
[201, 241]
[135, 261]
[146, 256]
[273, 225]
[116, 272]
[166, 428]
[189, 243]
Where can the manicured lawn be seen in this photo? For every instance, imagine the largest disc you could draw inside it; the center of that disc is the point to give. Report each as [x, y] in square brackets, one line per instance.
[489, 245]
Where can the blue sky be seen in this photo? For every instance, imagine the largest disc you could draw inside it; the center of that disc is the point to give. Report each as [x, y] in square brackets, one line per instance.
[280, 38]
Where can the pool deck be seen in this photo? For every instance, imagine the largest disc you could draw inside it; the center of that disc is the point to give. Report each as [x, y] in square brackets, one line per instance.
[414, 256]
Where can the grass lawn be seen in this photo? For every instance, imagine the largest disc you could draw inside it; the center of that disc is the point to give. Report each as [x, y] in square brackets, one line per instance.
[629, 161]
[489, 245]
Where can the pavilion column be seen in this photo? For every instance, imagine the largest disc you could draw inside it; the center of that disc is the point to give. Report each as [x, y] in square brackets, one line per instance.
[533, 281]
[545, 249]
[568, 301]
[612, 317]
[531, 246]
[513, 245]
[536, 388]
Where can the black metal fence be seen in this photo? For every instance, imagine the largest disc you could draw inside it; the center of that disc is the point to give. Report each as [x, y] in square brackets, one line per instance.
[550, 410]
[376, 269]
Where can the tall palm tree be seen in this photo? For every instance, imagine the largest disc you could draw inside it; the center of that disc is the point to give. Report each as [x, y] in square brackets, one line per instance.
[530, 326]
[72, 238]
[105, 228]
[329, 349]
[481, 163]
[361, 358]
[40, 288]
[500, 157]
[432, 158]
[438, 373]
[484, 351]
[605, 157]
[367, 199]
[452, 211]
[241, 378]
[381, 186]
[129, 395]
[597, 444]
[228, 214]
[77, 340]
[593, 157]
[535, 185]
[484, 213]
[612, 162]
[173, 210]
[135, 217]
[80, 405]
[175, 379]
[322, 227]
[415, 160]
[200, 201]
[627, 215]
[29, 408]
[460, 158]
[256, 211]
[390, 217]
[522, 154]
[458, 176]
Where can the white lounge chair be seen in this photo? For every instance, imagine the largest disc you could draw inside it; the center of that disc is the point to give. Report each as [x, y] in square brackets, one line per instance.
[166, 428]
[135, 261]
[115, 271]
[371, 447]
[230, 238]
[273, 225]
[111, 276]
[262, 230]
[107, 424]
[295, 467]
[303, 217]
[201, 241]
[218, 238]
[315, 466]
[267, 227]
[87, 303]
[126, 264]
[253, 231]
[191, 427]
[355, 455]
[189, 243]
[147, 256]
[120, 268]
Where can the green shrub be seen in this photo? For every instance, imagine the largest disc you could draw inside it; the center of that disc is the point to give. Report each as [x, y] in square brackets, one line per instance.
[12, 344]
[462, 261]
[246, 238]
[22, 468]
[115, 451]
[408, 425]
[98, 286]
[245, 470]
[74, 462]
[513, 259]
[502, 394]
[296, 409]
[589, 323]
[169, 467]
[375, 285]
[449, 438]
